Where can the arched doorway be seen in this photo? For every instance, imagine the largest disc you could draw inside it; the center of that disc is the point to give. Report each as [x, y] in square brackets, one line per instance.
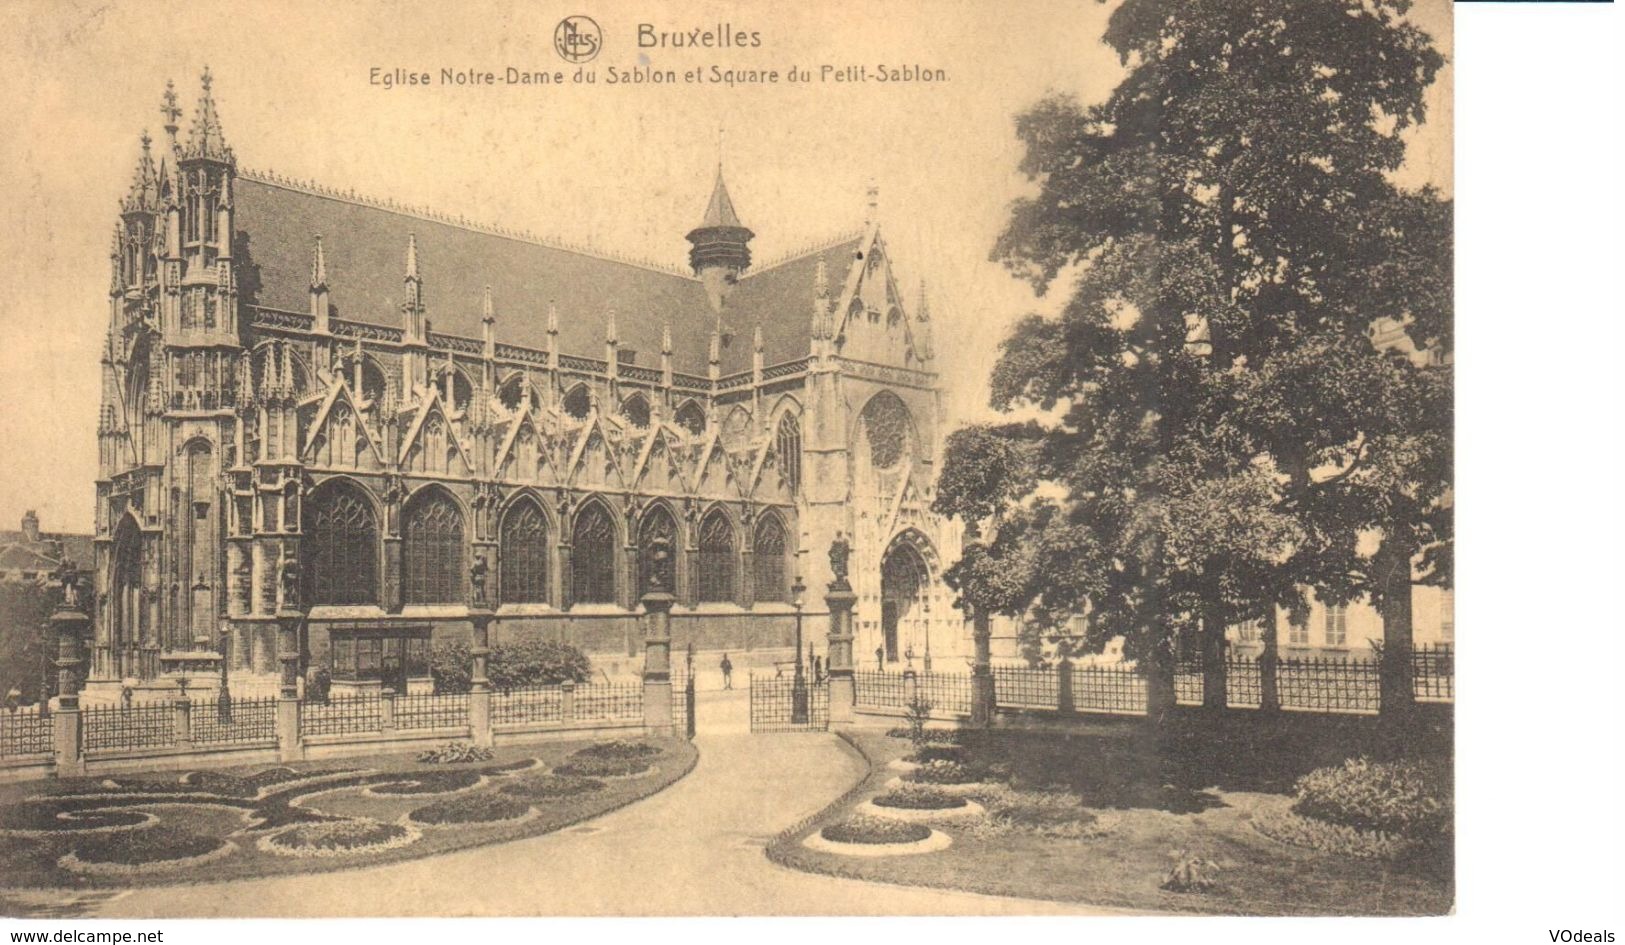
[125, 598]
[904, 611]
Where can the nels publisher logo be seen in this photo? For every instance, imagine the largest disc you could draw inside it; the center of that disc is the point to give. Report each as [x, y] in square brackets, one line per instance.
[577, 39]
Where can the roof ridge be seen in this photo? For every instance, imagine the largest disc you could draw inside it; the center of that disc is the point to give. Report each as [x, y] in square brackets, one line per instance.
[803, 252]
[315, 189]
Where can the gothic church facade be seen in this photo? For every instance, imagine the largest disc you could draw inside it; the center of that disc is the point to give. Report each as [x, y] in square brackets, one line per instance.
[387, 399]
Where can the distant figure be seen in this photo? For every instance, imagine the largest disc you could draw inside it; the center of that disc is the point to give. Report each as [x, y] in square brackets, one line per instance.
[727, 672]
[880, 659]
[476, 578]
[818, 669]
[840, 550]
[14, 700]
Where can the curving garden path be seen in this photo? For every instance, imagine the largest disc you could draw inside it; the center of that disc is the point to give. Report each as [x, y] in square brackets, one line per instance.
[693, 849]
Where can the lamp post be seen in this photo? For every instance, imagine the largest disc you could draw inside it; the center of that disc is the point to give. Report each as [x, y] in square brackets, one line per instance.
[798, 687]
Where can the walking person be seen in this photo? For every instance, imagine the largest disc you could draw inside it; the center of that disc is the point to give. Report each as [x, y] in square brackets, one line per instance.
[880, 659]
[727, 672]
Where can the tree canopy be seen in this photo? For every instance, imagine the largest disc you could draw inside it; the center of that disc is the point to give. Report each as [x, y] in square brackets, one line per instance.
[1216, 428]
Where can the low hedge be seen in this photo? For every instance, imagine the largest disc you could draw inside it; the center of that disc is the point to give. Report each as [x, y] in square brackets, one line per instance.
[937, 752]
[1327, 837]
[913, 797]
[551, 785]
[1404, 798]
[588, 767]
[471, 809]
[875, 830]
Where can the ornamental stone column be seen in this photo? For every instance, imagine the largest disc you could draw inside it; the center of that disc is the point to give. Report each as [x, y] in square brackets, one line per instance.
[69, 624]
[842, 692]
[288, 619]
[479, 684]
[657, 603]
[983, 699]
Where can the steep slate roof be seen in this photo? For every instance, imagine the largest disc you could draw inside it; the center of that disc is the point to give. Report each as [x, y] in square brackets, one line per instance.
[364, 249]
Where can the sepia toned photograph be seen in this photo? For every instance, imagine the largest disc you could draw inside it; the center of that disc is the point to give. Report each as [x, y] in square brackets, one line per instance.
[714, 459]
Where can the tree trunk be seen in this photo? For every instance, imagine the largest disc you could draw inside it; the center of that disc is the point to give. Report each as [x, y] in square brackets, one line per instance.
[1215, 686]
[1269, 667]
[1398, 692]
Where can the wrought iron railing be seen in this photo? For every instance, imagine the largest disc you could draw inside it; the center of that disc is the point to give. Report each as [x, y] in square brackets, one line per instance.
[610, 701]
[118, 727]
[1119, 689]
[947, 692]
[879, 689]
[432, 710]
[1330, 685]
[1026, 688]
[342, 715]
[773, 705]
[538, 704]
[241, 721]
[25, 732]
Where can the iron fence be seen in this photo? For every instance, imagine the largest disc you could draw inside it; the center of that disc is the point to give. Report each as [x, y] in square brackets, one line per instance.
[1026, 688]
[240, 721]
[117, 727]
[432, 710]
[342, 715]
[773, 706]
[879, 689]
[1188, 685]
[25, 732]
[515, 706]
[947, 692]
[1433, 669]
[1330, 685]
[1108, 689]
[610, 701]
[1243, 682]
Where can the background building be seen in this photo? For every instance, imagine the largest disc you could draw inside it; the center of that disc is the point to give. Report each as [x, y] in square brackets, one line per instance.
[365, 410]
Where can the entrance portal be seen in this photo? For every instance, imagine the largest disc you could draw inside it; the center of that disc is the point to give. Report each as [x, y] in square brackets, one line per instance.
[903, 609]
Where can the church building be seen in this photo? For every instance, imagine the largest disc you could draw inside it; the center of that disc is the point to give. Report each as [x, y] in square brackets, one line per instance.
[371, 412]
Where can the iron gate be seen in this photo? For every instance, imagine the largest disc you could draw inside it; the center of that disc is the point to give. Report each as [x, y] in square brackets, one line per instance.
[776, 705]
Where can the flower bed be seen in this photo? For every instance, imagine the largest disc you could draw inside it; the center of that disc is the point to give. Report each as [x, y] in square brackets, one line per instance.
[471, 809]
[1299, 831]
[434, 782]
[338, 838]
[1404, 799]
[944, 772]
[915, 797]
[937, 752]
[44, 818]
[1041, 813]
[143, 851]
[874, 830]
[619, 748]
[603, 767]
[551, 785]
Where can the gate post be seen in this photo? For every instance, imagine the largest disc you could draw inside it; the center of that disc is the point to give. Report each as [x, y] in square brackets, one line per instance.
[287, 707]
[67, 724]
[842, 694]
[479, 683]
[1065, 701]
[983, 700]
[657, 718]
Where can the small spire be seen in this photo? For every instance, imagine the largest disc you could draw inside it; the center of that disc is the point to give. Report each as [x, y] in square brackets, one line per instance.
[207, 139]
[665, 338]
[821, 280]
[872, 203]
[412, 257]
[552, 317]
[757, 340]
[923, 312]
[488, 313]
[720, 211]
[171, 110]
[610, 334]
[318, 267]
[143, 195]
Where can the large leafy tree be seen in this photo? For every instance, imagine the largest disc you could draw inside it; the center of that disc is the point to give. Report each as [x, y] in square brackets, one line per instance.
[1216, 428]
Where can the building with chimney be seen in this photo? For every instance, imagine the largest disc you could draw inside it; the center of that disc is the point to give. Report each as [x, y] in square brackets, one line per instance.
[374, 413]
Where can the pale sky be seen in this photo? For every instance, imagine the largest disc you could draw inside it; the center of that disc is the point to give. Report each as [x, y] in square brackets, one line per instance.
[627, 169]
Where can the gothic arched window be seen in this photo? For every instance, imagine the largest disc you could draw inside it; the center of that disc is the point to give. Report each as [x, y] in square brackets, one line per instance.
[657, 525]
[691, 418]
[769, 560]
[340, 545]
[592, 557]
[716, 564]
[578, 403]
[432, 552]
[524, 553]
[889, 428]
[636, 410]
[788, 445]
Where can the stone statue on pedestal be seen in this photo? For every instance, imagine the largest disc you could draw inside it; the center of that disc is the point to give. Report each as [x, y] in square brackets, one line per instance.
[476, 578]
[840, 551]
[290, 582]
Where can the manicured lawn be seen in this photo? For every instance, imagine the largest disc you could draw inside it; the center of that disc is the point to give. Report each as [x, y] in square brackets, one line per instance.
[1102, 818]
[263, 820]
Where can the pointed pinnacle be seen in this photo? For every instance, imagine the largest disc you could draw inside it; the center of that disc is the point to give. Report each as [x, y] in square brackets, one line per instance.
[609, 329]
[318, 266]
[411, 256]
[171, 109]
[487, 310]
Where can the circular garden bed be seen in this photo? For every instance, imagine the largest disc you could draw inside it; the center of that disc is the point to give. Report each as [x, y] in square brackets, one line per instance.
[915, 803]
[590, 767]
[434, 782]
[620, 748]
[146, 851]
[551, 785]
[472, 809]
[46, 818]
[877, 836]
[330, 838]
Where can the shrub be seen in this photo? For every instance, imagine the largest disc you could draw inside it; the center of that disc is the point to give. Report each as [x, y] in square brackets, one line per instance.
[318, 684]
[590, 767]
[455, 753]
[510, 665]
[1191, 874]
[551, 785]
[434, 782]
[1407, 799]
[914, 797]
[1045, 813]
[944, 772]
[1327, 837]
[875, 830]
[471, 809]
[619, 748]
[917, 713]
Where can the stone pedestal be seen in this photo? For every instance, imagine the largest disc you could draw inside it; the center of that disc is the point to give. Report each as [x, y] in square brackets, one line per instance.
[1065, 702]
[289, 747]
[288, 621]
[842, 693]
[657, 716]
[479, 685]
[983, 698]
[69, 626]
